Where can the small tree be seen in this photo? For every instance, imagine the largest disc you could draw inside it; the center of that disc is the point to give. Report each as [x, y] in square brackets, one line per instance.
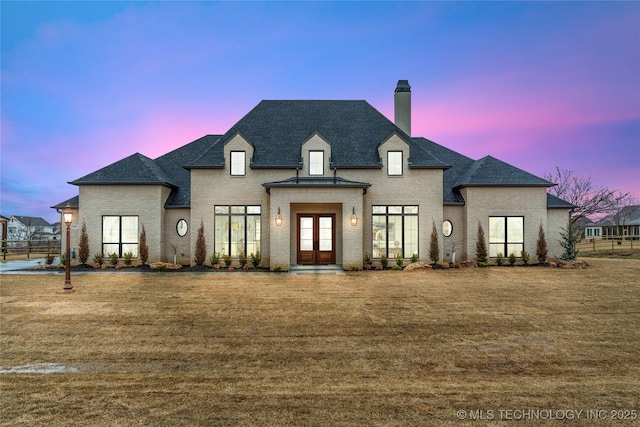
[481, 246]
[83, 247]
[434, 250]
[568, 242]
[201, 246]
[144, 248]
[541, 246]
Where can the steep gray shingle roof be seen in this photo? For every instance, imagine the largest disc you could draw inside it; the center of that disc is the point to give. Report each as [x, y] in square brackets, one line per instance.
[277, 130]
[458, 165]
[492, 172]
[556, 202]
[629, 215]
[32, 221]
[73, 202]
[173, 164]
[135, 169]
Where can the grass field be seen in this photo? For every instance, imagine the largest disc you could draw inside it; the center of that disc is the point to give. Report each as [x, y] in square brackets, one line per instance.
[442, 347]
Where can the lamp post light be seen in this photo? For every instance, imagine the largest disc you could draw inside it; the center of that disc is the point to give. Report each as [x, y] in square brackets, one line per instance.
[67, 214]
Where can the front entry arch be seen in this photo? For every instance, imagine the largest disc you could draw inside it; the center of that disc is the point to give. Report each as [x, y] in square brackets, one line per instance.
[316, 239]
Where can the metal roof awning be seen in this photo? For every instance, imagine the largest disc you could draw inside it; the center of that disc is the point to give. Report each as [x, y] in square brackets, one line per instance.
[316, 182]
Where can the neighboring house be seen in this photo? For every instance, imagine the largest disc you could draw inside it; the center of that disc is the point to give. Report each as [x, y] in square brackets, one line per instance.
[316, 182]
[29, 227]
[624, 224]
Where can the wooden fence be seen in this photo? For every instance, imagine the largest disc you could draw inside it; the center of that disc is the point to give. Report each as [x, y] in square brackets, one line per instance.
[30, 247]
[615, 244]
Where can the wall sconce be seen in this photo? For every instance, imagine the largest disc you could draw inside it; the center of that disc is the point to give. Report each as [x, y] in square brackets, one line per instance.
[278, 218]
[354, 217]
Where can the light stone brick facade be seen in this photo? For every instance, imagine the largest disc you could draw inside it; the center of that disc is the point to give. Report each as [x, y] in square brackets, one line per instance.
[484, 202]
[415, 186]
[144, 201]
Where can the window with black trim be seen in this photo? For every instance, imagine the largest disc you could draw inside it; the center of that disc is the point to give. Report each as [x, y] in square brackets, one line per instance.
[237, 229]
[316, 162]
[394, 163]
[119, 235]
[506, 235]
[395, 231]
[238, 163]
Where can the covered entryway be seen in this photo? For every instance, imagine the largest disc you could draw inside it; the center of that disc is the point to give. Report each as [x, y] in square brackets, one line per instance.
[310, 222]
[316, 239]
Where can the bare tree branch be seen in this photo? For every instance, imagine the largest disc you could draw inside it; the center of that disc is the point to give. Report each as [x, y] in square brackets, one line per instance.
[581, 192]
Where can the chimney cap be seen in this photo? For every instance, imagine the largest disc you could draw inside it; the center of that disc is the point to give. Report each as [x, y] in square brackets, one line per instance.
[403, 86]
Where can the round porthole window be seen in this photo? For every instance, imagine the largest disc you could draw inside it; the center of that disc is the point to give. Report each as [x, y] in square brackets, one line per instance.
[182, 228]
[447, 228]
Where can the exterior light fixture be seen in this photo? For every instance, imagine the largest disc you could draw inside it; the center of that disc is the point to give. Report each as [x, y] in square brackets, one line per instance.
[67, 215]
[354, 217]
[278, 218]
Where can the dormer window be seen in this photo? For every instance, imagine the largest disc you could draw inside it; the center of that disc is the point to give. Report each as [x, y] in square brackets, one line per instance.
[316, 162]
[238, 163]
[394, 163]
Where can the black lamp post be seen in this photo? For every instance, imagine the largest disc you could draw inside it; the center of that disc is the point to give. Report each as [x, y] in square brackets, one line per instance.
[67, 214]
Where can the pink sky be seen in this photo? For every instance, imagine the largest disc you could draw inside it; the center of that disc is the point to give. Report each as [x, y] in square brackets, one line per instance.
[537, 85]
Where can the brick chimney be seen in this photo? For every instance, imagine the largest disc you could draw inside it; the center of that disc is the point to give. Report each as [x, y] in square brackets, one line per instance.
[402, 109]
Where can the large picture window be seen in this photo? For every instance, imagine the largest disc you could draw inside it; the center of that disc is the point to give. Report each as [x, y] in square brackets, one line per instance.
[506, 235]
[120, 235]
[238, 163]
[394, 163]
[395, 231]
[316, 162]
[237, 229]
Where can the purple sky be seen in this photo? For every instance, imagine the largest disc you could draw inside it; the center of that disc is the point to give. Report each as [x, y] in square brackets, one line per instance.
[538, 85]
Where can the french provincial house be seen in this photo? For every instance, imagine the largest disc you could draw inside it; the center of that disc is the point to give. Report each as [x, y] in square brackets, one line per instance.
[315, 182]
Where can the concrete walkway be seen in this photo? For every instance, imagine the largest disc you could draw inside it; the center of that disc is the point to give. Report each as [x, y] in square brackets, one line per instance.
[316, 269]
[17, 266]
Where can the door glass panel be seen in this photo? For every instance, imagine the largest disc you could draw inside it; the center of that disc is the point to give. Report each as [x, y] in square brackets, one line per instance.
[326, 233]
[306, 234]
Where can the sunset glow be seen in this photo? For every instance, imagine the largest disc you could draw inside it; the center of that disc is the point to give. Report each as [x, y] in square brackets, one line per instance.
[538, 85]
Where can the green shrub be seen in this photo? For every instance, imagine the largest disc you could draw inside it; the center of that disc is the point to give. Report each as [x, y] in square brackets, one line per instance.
[483, 264]
[414, 258]
[499, 258]
[399, 260]
[97, 259]
[227, 260]
[384, 261]
[63, 261]
[49, 259]
[355, 267]
[128, 258]
[367, 259]
[525, 257]
[113, 258]
[215, 258]
[242, 258]
[512, 258]
[396, 267]
[276, 269]
[255, 259]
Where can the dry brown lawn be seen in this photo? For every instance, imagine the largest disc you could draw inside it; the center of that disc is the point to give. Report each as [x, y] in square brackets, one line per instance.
[367, 348]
